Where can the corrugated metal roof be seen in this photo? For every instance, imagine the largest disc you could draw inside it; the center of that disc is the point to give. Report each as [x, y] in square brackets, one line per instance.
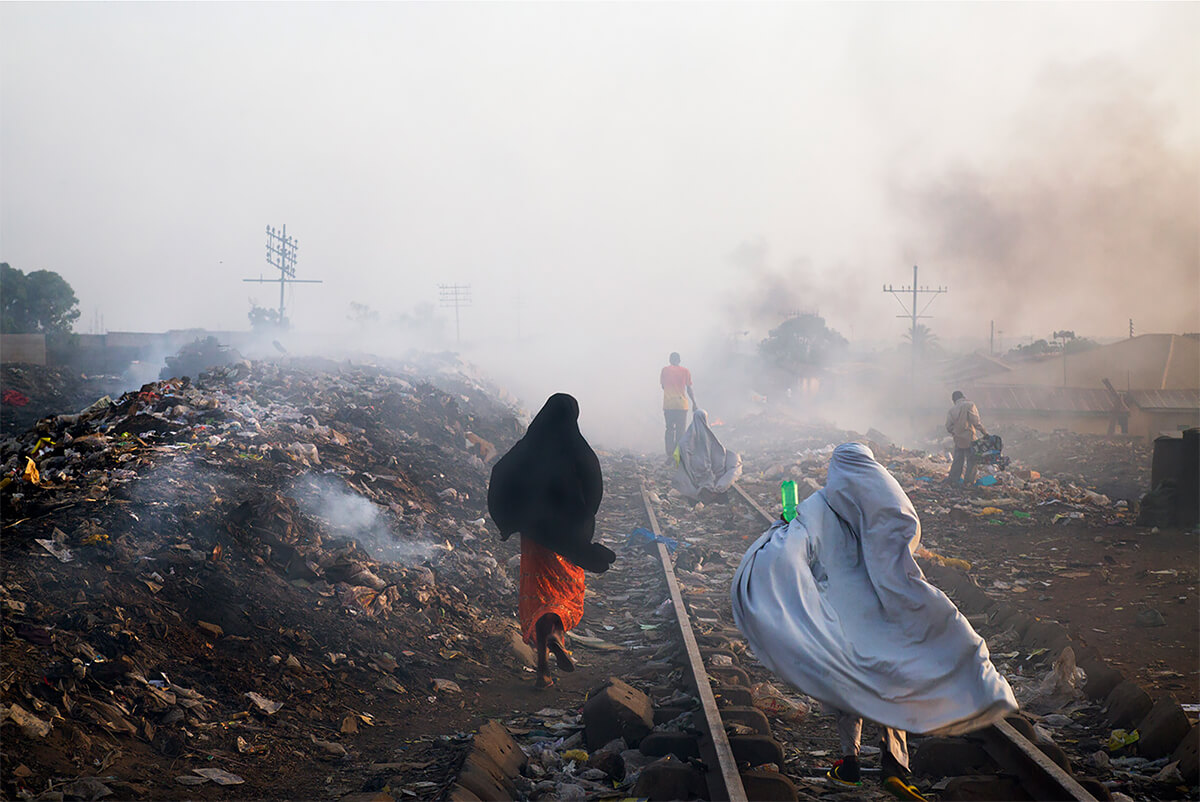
[1041, 399]
[1165, 399]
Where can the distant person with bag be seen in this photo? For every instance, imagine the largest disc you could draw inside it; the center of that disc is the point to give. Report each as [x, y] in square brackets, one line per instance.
[676, 382]
[962, 421]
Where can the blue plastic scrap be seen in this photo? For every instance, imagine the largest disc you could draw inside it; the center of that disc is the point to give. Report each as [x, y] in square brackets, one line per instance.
[641, 536]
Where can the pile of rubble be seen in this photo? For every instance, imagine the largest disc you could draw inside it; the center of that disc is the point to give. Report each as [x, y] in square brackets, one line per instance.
[1118, 467]
[33, 391]
[201, 576]
[1017, 495]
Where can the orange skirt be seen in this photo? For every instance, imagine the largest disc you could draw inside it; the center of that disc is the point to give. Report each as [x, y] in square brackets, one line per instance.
[549, 584]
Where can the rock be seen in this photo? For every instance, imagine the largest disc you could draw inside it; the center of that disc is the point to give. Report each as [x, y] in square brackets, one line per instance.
[609, 760]
[482, 777]
[1048, 635]
[670, 778]
[679, 744]
[617, 711]
[570, 792]
[1170, 775]
[665, 715]
[1022, 725]
[732, 695]
[1127, 705]
[1101, 678]
[1163, 728]
[1054, 752]
[88, 788]
[635, 761]
[982, 788]
[1150, 618]
[768, 786]
[1187, 755]
[948, 757]
[730, 675]
[1095, 788]
[494, 741]
[756, 749]
[460, 794]
[749, 716]
[1057, 720]
[521, 650]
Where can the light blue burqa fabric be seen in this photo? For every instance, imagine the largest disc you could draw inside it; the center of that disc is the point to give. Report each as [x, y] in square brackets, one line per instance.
[834, 603]
[704, 464]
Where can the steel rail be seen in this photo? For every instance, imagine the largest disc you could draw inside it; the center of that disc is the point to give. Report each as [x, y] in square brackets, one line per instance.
[1009, 748]
[717, 746]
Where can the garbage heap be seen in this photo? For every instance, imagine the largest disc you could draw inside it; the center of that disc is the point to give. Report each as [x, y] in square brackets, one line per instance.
[216, 581]
[1017, 495]
[28, 392]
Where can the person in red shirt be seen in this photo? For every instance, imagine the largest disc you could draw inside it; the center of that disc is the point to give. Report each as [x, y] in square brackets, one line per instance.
[676, 382]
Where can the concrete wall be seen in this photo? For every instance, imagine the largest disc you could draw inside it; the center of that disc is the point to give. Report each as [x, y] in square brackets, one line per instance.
[28, 348]
[1081, 422]
[1150, 424]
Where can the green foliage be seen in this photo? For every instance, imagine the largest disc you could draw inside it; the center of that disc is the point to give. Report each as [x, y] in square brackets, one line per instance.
[801, 340]
[41, 302]
[1037, 348]
[362, 314]
[1079, 344]
[923, 340]
[1066, 344]
[265, 320]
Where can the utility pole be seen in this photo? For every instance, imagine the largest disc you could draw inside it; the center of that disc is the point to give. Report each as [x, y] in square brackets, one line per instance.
[992, 340]
[914, 313]
[1131, 328]
[458, 296]
[281, 254]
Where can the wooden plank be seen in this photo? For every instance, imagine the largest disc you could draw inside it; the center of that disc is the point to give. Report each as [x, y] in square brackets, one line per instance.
[1036, 772]
[723, 753]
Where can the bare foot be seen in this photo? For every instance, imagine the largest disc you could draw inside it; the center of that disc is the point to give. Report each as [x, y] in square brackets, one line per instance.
[543, 681]
[561, 656]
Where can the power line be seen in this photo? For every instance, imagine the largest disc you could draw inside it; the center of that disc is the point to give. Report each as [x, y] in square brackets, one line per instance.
[913, 312]
[458, 296]
[281, 255]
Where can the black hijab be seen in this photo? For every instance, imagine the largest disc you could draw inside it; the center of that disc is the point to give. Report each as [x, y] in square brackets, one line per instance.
[548, 487]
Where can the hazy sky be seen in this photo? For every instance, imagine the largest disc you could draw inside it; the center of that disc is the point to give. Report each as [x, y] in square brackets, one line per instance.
[649, 169]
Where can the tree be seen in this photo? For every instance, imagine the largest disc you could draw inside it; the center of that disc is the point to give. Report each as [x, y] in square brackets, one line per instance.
[41, 302]
[362, 314]
[801, 340]
[265, 320]
[923, 340]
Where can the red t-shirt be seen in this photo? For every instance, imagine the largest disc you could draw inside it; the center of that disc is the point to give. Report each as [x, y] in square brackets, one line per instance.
[675, 379]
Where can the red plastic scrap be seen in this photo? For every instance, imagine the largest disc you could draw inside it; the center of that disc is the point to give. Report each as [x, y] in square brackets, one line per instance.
[14, 398]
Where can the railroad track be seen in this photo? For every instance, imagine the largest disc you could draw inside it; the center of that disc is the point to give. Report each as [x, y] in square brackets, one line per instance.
[726, 749]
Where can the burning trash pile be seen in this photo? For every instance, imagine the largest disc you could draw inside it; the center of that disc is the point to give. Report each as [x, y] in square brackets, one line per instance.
[220, 581]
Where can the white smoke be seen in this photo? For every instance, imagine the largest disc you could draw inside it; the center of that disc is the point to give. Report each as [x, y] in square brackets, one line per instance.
[350, 515]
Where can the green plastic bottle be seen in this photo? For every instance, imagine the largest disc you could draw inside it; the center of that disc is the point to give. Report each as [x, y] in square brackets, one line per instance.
[787, 489]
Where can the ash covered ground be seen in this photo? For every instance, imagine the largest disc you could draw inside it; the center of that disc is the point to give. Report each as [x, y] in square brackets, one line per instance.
[279, 580]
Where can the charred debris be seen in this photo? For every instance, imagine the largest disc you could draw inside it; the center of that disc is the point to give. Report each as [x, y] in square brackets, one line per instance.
[202, 572]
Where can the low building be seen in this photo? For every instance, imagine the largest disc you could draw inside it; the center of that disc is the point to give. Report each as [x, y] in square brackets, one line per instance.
[1141, 386]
